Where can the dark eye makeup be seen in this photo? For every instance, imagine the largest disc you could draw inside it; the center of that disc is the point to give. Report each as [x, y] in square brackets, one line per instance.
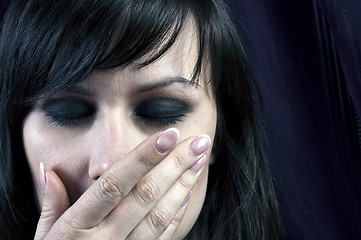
[69, 112]
[161, 111]
[78, 112]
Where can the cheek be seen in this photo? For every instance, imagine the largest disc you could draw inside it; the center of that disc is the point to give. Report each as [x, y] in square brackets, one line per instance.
[57, 152]
[43, 145]
[34, 148]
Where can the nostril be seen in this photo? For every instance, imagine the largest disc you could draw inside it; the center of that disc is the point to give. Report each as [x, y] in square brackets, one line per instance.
[97, 167]
[106, 144]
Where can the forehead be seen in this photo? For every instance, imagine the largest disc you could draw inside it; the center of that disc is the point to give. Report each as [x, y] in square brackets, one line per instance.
[178, 61]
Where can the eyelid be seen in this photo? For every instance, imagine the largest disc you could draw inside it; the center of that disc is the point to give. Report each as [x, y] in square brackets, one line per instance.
[164, 102]
[70, 102]
[69, 111]
[161, 111]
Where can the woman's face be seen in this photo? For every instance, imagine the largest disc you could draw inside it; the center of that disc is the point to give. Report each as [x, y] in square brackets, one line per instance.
[82, 132]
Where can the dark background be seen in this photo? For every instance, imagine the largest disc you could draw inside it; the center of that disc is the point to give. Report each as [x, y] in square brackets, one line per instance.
[306, 57]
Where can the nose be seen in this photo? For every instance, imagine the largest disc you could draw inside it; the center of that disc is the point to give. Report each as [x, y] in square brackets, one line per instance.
[109, 140]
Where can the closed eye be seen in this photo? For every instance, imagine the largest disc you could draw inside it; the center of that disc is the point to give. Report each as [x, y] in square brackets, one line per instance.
[161, 111]
[69, 111]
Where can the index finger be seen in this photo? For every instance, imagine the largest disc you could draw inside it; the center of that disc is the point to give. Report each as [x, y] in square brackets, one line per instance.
[106, 193]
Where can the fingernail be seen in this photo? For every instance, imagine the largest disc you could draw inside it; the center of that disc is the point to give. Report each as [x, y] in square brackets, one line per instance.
[200, 144]
[167, 140]
[187, 199]
[42, 177]
[198, 165]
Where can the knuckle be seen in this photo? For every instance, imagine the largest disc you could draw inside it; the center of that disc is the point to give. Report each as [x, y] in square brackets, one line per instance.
[179, 162]
[176, 220]
[159, 219]
[184, 184]
[110, 189]
[46, 213]
[146, 191]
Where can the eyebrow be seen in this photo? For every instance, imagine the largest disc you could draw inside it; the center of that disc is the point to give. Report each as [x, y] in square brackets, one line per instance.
[145, 88]
[165, 82]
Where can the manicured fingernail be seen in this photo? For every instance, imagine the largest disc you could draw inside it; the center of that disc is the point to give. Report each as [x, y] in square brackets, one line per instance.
[200, 144]
[198, 165]
[167, 140]
[187, 199]
[42, 177]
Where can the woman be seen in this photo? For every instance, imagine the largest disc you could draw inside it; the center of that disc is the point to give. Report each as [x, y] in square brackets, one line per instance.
[133, 119]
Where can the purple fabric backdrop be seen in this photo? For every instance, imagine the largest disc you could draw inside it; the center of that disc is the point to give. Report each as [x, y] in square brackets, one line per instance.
[344, 18]
[304, 53]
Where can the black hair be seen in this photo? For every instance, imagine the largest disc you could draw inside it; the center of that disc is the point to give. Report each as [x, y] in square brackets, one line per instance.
[48, 46]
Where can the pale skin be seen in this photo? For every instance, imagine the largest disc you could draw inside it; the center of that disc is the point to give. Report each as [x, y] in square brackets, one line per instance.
[118, 176]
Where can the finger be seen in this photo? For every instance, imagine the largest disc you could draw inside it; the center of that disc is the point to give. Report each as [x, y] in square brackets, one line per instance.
[160, 217]
[145, 195]
[100, 199]
[54, 202]
[173, 226]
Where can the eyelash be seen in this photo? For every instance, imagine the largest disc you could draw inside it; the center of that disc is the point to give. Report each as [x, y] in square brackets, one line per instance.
[161, 111]
[171, 116]
[70, 122]
[69, 112]
[166, 121]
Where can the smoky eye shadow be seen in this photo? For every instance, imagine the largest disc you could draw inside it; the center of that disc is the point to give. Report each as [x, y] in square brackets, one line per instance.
[161, 107]
[68, 107]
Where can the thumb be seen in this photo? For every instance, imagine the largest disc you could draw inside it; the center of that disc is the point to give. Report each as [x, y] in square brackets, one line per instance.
[55, 201]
